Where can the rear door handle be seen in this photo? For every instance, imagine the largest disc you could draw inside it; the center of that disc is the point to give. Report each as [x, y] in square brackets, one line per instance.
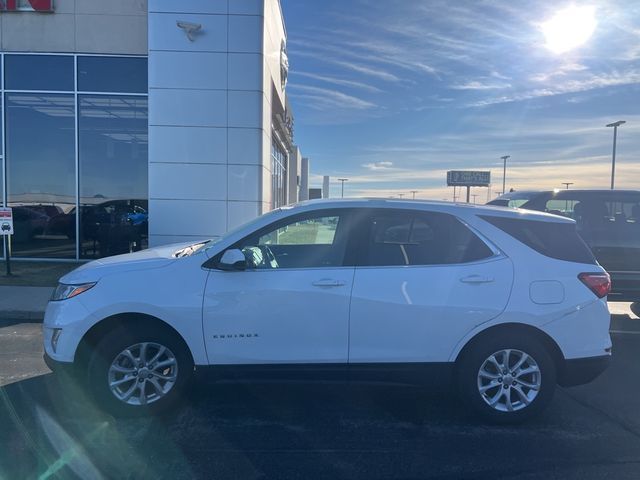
[476, 279]
[328, 282]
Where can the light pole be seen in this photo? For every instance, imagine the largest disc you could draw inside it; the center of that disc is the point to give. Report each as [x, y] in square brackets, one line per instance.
[400, 195]
[413, 192]
[615, 126]
[474, 197]
[566, 184]
[342, 180]
[504, 172]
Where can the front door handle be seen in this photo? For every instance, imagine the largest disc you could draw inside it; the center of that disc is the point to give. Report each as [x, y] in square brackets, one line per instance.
[328, 282]
[476, 279]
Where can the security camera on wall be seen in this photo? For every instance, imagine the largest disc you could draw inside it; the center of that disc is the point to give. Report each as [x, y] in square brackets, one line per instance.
[190, 29]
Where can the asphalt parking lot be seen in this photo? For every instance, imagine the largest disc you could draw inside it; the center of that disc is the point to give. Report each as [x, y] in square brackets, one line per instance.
[49, 430]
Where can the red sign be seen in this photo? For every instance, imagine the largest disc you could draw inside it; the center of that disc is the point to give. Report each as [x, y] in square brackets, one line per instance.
[26, 5]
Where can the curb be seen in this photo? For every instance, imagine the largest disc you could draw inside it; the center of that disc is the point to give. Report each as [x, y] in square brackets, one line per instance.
[26, 316]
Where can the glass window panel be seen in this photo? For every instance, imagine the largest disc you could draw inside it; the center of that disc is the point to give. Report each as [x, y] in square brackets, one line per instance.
[112, 74]
[315, 231]
[314, 242]
[41, 178]
[422, 239]
[113, 175]
[38, 72]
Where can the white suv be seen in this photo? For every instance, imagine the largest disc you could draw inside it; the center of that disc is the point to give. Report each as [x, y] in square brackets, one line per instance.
[504, 303]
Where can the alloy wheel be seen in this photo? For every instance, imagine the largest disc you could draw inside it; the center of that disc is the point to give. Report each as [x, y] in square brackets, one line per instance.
[143, 373]
[509, 380]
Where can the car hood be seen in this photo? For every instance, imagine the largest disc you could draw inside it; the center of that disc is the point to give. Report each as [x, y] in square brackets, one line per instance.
[144, 260]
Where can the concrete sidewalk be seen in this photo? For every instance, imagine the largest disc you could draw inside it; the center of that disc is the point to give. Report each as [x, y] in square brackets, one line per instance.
[23, 303]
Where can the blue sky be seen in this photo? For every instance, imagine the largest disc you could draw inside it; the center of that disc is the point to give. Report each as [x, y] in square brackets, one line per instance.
[393, 93]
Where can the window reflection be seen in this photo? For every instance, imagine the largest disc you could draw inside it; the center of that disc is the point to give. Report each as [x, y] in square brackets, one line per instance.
[112, 74]
[278, 175]
[113, 175]
[40, 137]
[38, 72]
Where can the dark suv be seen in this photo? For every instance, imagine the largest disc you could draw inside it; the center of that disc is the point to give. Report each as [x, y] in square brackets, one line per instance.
[608, 221]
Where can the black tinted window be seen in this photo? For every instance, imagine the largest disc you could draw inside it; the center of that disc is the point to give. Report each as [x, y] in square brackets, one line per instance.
[420, 239]
[38, 72]
[555, 240]
[112, 74]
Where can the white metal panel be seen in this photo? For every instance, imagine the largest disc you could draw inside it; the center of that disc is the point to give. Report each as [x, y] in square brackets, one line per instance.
[187, 144]
[245, 71]
[184, 181]
[281, 315]
[189, 6]
[244, 182]
[242, 212]
[245, 146]
[419, 314]
[202, 108]
[245, 109]
[200, 70]
[245, 33]
[190, 217]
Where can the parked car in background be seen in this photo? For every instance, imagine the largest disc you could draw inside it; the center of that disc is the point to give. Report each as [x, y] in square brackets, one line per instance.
[27, 223]
[607, 220]
[503, 304]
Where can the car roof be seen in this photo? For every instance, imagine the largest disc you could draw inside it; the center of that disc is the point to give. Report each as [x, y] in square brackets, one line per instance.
[445, 207]
[532, 193]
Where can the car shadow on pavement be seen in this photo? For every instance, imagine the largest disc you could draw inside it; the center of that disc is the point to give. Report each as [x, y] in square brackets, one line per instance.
[50, 427]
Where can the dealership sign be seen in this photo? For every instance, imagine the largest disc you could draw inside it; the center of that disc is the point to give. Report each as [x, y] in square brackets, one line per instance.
[462, 178]
[26, 5]
[6, 221]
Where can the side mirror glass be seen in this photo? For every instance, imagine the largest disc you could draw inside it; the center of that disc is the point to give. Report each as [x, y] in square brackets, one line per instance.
[232, 259]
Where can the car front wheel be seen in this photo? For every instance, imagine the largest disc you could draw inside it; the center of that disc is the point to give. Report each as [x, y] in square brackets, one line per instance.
[132, 372]
[507, 379]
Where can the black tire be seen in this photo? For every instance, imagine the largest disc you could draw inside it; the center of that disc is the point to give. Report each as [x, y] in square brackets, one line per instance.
[110, 347]
[635, 308]
[474, 358]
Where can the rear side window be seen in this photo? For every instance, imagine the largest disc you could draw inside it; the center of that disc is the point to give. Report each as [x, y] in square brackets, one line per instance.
[417, 238]
[555, 240]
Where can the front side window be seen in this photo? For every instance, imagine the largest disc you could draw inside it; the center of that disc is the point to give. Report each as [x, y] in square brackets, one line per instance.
[308, 242]
[403, 239]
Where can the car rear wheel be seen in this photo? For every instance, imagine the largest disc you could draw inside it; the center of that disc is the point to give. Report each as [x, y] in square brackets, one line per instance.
[139, 371]
[507, 378]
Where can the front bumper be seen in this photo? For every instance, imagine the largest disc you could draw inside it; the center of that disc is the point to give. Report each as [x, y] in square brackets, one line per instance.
[59, 367]
[579, 371]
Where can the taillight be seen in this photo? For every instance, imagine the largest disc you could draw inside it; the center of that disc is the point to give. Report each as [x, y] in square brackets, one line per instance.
[599, 283]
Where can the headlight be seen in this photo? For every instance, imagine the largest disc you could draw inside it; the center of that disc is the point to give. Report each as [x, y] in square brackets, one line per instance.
[63, 292]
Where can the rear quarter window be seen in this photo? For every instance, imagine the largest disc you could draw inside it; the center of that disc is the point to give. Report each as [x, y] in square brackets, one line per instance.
[555, 240]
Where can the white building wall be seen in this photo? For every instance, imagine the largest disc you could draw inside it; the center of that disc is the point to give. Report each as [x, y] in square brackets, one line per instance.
[84, 26]
[210, 114]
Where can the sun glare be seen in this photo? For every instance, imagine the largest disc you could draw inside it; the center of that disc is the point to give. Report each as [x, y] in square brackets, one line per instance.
[569, 28]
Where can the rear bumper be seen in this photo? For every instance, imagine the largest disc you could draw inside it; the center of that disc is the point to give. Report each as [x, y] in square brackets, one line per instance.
[582, 370]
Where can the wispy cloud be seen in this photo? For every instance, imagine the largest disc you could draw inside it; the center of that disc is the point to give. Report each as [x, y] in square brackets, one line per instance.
[337, 81]
[324, 98]
[478, 85]
[385, 165]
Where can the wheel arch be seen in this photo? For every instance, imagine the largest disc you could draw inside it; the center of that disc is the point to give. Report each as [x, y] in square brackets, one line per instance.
[518, 329]
[91, 338]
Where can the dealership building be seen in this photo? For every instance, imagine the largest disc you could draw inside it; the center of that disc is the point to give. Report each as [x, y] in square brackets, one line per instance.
[129, 124]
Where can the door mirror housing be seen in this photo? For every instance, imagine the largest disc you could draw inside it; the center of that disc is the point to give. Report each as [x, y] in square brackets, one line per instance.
[232, 260]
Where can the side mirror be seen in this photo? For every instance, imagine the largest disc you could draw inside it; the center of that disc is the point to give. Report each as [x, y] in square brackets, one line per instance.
[232, 259]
